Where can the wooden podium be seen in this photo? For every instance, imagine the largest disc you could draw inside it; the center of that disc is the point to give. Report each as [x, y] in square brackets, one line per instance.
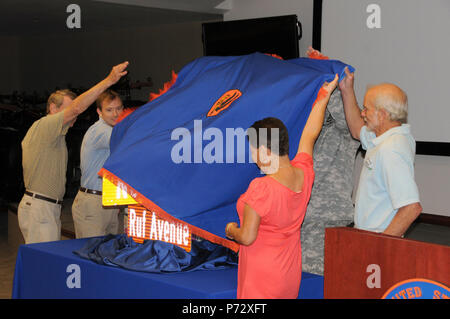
[361, 264]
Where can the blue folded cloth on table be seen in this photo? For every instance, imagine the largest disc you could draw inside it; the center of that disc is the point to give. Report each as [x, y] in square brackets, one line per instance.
[156, 256]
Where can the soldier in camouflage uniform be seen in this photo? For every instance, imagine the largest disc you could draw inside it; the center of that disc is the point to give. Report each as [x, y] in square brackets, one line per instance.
[331, 202]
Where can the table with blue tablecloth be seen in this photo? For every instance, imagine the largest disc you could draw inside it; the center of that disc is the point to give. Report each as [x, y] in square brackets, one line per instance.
[52, 270]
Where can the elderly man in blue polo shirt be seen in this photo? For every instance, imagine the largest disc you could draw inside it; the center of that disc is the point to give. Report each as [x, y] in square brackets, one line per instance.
[387, 199]
[89, 216]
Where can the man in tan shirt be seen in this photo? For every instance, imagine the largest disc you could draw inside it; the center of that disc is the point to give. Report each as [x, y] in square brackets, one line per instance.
[44, 160]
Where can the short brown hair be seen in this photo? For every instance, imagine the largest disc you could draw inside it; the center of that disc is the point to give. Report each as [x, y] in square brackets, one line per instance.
[57, 98]
[270, 123]
[108, 95]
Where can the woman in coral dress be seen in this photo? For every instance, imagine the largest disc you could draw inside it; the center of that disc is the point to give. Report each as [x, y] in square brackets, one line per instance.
[272, 209]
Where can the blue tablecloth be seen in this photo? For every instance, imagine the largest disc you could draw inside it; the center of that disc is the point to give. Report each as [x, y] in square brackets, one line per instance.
[52, 270]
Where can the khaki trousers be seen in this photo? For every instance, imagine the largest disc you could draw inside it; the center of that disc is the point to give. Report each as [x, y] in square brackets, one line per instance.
[91, 219]
[39, 220]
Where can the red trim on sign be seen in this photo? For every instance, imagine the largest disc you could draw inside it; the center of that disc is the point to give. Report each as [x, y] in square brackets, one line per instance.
[158, 210]
[139, 210]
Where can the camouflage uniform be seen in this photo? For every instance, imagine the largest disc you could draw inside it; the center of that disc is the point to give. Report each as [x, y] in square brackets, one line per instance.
[331, 202]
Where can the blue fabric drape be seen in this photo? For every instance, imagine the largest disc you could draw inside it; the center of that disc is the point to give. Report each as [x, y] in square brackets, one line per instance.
[156, 256]
[205, 194]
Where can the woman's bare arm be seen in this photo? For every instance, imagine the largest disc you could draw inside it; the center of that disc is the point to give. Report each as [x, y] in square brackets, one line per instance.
[247, 233]
[314, 123]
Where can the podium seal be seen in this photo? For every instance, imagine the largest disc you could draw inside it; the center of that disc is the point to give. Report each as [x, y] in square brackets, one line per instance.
[417, 288]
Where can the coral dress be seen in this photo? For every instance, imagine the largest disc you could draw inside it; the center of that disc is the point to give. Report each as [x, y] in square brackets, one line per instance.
[271, 266]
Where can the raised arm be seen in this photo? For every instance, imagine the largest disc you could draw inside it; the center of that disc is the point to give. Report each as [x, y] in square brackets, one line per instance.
[83, 101]
[315, 120]
[351, 109]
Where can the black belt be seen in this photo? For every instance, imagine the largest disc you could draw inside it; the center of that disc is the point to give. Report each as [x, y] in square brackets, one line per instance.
[51, 200]
[90, 191]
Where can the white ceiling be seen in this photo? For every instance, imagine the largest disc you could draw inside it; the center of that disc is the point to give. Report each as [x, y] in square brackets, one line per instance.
[32, 17]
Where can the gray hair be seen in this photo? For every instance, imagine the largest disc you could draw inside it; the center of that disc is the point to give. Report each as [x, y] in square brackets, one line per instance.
[393, 101]
[57, 98]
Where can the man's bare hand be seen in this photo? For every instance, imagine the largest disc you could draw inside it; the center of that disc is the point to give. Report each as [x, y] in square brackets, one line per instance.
[347, 82]
[117, 72]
